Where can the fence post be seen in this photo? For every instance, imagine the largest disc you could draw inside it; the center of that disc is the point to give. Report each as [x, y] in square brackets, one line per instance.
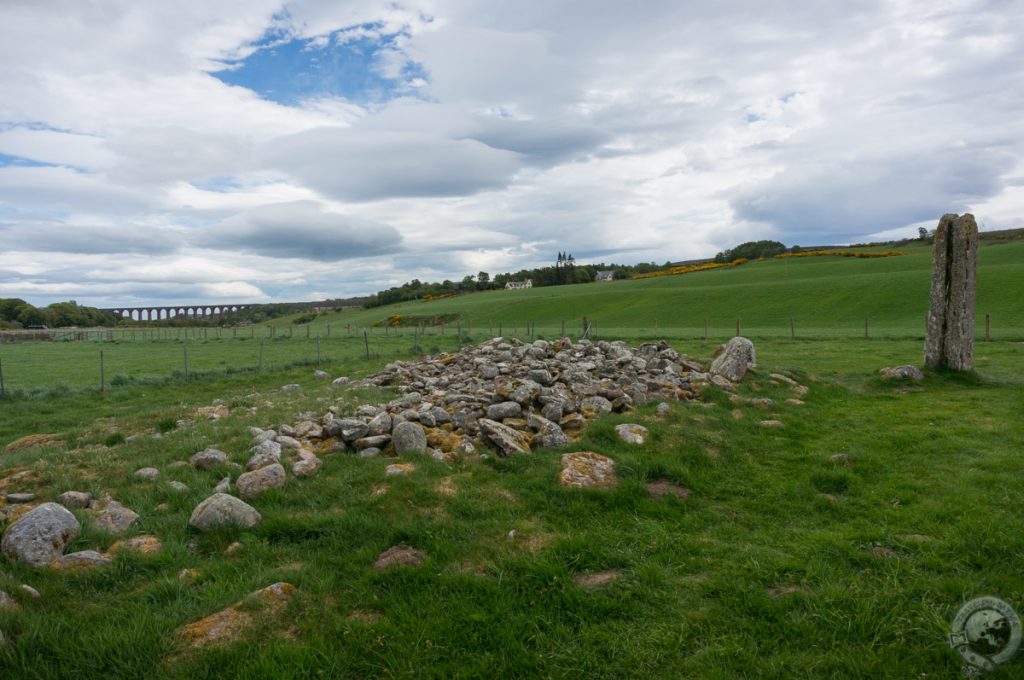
[328, 330]
[259, 366]
[103, 382]
[317, 350]
[186, 360]
[366, 341]
[2, 392]
[988, 326]
[865, 326]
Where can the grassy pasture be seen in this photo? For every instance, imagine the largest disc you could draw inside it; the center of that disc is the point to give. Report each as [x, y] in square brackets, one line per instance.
[781, 563]
[825, 297]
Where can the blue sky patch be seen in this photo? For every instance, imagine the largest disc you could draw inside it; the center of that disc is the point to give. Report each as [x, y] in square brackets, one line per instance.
[290, 70]
[7, 160]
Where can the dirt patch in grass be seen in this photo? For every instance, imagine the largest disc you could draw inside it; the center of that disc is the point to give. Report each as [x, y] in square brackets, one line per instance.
[596, 579]
[663, 487]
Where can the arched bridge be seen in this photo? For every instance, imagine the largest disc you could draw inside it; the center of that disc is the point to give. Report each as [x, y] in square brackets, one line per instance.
[175, 312]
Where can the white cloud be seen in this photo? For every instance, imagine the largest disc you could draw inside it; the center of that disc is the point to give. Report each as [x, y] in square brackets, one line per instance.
[656, 131]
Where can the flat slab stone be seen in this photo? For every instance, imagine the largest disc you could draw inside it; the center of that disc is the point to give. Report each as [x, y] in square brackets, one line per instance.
[587, 469]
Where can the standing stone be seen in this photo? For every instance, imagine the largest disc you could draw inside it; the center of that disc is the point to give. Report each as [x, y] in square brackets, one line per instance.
[733, 359]
[950, 338]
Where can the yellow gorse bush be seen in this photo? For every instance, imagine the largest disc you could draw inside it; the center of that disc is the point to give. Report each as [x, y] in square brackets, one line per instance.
[839, 253]
[687, 269]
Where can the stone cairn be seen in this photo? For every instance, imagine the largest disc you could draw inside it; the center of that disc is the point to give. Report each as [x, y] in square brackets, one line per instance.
[949, 342]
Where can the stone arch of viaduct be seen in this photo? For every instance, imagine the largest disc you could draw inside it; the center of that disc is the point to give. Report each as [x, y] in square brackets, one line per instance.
[175, 312]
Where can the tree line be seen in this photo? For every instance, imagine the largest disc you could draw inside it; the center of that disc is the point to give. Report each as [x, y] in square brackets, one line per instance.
[16, 313]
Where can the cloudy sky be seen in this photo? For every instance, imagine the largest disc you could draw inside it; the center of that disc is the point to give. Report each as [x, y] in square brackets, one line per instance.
[258, 150]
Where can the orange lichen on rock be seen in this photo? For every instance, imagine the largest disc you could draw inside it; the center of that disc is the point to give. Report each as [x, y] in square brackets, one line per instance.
[32, 441]
[229, 624]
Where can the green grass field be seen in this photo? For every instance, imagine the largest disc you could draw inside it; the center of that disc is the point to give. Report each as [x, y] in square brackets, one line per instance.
[823, 297]
[782, 562]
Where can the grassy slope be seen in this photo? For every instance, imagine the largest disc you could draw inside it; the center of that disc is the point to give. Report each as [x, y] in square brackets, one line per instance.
[825, 295]
[757, 572]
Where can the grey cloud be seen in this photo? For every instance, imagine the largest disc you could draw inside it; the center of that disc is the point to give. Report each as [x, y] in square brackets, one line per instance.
[56, 237]
[868, 195]
[542, 142]
[300, 229]
[360, 165]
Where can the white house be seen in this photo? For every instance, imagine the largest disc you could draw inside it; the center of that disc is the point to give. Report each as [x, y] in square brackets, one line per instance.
[515, 285]
[607, 275]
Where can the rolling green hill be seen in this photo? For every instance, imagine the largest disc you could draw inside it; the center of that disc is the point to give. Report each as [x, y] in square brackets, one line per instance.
[824, 296]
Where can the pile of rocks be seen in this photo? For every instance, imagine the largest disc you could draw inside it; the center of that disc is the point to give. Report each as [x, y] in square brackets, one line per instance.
[504, 394]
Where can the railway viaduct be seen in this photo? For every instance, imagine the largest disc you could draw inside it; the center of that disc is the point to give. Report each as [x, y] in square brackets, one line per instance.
[174, 312]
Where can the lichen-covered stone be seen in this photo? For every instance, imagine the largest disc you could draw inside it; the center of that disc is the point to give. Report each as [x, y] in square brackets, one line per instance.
[39, 536]
[949, 340]
[222, 510]
[258, 481]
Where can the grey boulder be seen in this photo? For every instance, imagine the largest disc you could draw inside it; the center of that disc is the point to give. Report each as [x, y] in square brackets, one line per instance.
[39, 537]
[222, 510]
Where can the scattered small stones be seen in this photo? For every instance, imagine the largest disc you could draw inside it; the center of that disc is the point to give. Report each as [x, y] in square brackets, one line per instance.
[400, 469]
[371, 452]
[223, 486]
[507, 440]
[587, 469]
[30, 591]
[307, 467]
[39, 537]
[147, 474]
[663, 408]
[321, 375]
[143, 545]
[222, 510]
[399, 555]
[215, 412]
[794, 402]
[228, 624]
[268, 447]
[115, 517]
[179, 487]
[287, 442]
[20, 497]
[631, 433]
[262, 460]
[291, 388]
[770, 423]
[800, 390]
[840, 458]
[207, 459]
[233, 548]
[82, 560]
[339, 382]
[783, 378]
[7, 602]
[904, 372]
[260, 480]
[663, 487]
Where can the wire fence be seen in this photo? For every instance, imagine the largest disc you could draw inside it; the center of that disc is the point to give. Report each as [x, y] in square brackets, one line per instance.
[32, 362]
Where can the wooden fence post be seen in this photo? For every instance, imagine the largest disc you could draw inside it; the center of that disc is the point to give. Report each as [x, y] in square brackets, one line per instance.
[259, 365]
[366, 341]
[103, 382]
[185, 347]
[318, 351]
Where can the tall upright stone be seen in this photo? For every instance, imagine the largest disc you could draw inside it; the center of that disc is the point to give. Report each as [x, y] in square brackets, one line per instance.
[949, 342]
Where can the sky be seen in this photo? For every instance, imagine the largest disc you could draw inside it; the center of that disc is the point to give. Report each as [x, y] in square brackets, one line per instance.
[245, 151]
